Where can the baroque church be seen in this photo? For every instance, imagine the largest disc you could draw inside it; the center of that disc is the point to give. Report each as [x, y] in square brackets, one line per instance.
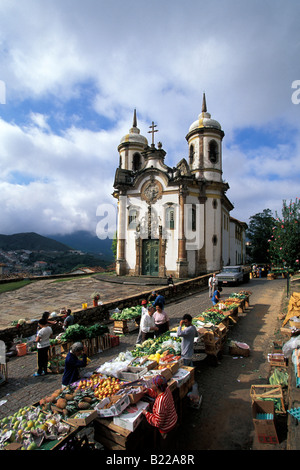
[175, 220]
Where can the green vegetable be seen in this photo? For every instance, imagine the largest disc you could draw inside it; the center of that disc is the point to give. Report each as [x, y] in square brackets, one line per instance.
[128, 313]
[78, 332]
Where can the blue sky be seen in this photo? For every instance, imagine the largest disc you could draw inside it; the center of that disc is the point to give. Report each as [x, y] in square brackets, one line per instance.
[74, 72]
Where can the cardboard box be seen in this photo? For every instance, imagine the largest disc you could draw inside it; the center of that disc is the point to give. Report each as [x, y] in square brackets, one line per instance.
[132, 373]
[132, 416]
[115, 409]
[136, 397]
[268, 391]
[173, 366]
[153, 372]
[82, 418]
[182, 376]
[265, 428]
[143, 362]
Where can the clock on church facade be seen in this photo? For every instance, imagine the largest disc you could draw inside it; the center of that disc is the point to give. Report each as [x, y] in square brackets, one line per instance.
[175, 220]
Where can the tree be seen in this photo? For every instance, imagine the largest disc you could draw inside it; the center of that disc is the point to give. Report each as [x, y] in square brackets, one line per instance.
[114, 245]
[258, 233]
[284, 243]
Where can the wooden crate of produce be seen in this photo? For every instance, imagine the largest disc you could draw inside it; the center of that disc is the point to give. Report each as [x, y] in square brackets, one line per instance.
[113, 437]
[54, 350]
[3, 373]
[261, 392]
[277, 359]
[104, 342]
[120, 324]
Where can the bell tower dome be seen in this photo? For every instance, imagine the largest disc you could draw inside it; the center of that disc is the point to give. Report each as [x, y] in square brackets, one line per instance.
[131, 147]
[205, 146]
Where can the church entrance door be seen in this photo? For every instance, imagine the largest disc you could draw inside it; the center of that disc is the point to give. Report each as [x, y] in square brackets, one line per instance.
[150, 260]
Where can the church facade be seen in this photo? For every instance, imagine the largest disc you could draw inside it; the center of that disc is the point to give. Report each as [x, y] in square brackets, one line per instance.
[175, 220]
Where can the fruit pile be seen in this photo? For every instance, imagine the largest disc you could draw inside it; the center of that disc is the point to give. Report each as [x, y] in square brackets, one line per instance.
[107, 387]
[29, 427]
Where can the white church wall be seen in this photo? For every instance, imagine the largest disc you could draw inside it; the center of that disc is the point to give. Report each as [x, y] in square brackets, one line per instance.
[213, 232]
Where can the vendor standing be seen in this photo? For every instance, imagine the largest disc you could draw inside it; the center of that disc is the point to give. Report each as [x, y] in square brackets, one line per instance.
[216, 296]
[148, 327]
[161, 320]
[188, 334]
[159, 300]
[73, 363]
[163, 416]
[43, 345]
[69, 320]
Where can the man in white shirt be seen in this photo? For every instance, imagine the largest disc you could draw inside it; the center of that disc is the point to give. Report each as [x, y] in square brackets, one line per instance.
[212, 284]
[43, 344]
[143, 312]
[148, 327]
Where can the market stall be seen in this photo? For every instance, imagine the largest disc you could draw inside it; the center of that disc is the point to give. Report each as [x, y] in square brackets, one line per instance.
[112, 397]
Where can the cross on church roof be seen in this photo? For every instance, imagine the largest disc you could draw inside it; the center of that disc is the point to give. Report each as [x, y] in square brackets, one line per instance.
[152, 131]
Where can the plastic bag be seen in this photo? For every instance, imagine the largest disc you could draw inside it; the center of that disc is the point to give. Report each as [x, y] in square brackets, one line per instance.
[290, 345]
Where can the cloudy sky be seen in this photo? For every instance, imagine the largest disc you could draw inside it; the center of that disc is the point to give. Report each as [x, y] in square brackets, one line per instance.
[72, 72]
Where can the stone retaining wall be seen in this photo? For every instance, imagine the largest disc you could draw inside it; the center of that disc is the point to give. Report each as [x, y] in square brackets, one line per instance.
[101, 313]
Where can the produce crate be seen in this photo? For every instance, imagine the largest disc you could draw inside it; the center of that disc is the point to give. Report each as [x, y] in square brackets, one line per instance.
[65, 347]
[121, 331]
[3, 373]
[114, 341]
[114, 438]
[132, 373]
[261, 392]
[221, 330]
[277, 359]
[120, 324]
[93, 346]
[82, 417]
[114, 409]
[213, 343]
[86, 343]
[54, 350]
[104, 342]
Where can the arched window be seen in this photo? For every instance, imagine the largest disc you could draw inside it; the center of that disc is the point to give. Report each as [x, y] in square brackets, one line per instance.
[136, 162]
[213, 151]
[170, 218]
[191, 155]
[214, 240]
[133, 215]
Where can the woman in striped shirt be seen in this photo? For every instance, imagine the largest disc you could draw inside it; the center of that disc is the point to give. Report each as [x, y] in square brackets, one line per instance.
[163, 416]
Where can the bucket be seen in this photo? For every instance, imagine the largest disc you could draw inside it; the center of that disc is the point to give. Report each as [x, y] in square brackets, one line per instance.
[84, 306]
[21, 349]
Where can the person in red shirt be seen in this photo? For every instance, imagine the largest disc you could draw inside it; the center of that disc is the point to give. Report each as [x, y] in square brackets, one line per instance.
[163, 416]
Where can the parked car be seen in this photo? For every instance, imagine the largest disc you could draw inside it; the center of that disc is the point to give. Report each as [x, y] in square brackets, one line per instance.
[233, 275]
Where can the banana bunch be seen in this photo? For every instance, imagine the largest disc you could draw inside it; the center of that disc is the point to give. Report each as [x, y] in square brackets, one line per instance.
[279, 378]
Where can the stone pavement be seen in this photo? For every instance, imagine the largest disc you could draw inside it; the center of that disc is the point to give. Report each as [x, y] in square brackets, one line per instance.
[32, 300]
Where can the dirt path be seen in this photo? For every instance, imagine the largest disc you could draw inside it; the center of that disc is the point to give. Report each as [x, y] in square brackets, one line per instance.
[224, 421]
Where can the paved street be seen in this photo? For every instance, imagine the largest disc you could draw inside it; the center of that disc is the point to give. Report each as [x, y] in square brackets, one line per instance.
[50, 295]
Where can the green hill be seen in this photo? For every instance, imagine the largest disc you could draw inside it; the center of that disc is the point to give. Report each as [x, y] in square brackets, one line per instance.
[30, 241]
